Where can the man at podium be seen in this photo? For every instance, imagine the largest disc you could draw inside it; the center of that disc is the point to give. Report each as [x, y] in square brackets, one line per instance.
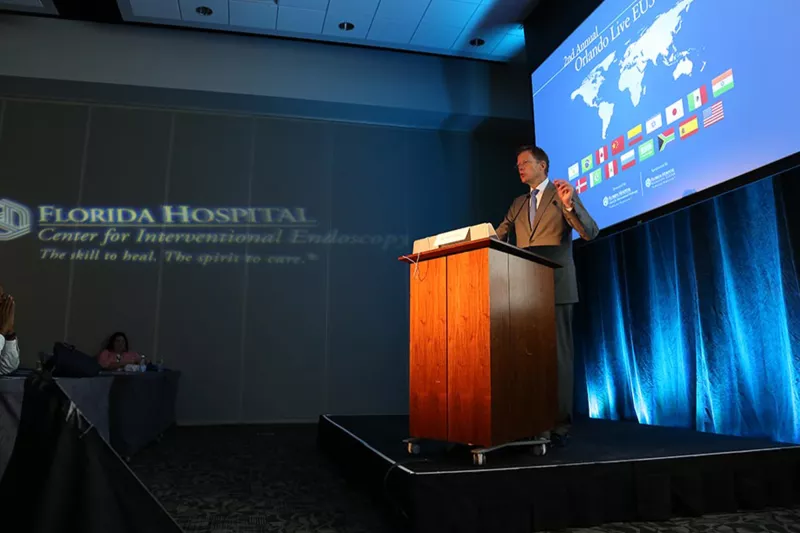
[545, 217]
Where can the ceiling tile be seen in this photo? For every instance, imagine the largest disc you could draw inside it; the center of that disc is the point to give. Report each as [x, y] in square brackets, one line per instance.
[505, 2]
[361, 7]
[249, 14]
[157, 9]
[219, 9]
[389, 31]
[435, 35]
[28, 3]
[358, 12]
[361, 22]
[479, 15]
[449, 13]
[491, 38]
[320, 5]
[509, 46]
[300, 20]
[402, 10]
[498, 14]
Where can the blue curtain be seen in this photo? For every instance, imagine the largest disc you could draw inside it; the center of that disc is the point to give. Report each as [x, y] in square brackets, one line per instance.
[693, 320]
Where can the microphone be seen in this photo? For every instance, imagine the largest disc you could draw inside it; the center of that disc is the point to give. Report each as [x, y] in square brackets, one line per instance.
[514, 219]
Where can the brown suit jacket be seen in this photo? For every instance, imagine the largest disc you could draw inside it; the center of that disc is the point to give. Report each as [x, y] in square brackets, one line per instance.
[552, 230]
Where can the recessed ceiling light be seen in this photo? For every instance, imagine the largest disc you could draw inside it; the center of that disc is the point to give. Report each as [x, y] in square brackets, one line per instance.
[346, 26]
[477, 42]
[204, 11]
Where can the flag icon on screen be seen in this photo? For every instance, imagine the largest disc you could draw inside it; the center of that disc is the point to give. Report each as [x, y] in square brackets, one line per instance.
[573, 171]
[665, 137]
[647, 150]
[697, 98]
[587, 163]
[634, 135]
[580, 185]
[628, 159]
[612, 169]
[713, 114]
[722, 83]
[596, 177]
[601, 155]
[688, 127]
[618, 145]
[675, 112]
[653, 124]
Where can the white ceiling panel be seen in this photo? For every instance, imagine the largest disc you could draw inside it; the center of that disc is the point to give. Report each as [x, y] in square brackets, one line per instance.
[504, 13]
[402, 10]
[388, 31]
[253, 14]
[157, 9]
[490, 38]
[26, 3]
[436, 35]
[353, 6]
[448, 13]
[318, 5]
[359, 13]
[444, 27]
[30, 6]
[361, 23]
[205, 11]
[298, 20]
[509, 46]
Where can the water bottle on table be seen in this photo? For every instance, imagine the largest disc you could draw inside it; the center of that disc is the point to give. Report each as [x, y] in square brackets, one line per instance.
[142, 364]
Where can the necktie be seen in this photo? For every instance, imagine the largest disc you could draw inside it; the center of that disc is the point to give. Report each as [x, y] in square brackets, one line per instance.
[532, 209]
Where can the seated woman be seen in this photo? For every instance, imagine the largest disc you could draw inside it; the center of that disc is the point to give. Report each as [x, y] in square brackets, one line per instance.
[117, 354]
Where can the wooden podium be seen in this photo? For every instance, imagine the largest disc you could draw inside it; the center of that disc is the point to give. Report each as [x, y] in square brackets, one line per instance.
[482, 362]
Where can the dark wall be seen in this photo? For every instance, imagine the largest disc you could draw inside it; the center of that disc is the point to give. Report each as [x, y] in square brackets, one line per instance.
[255, 341]
[549, 25]
[275, 76]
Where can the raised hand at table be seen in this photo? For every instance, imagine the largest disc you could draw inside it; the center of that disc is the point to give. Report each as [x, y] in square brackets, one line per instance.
[7, 313]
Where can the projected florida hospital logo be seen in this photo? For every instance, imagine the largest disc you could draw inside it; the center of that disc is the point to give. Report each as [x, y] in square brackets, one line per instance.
[182, 234]
[15, 220]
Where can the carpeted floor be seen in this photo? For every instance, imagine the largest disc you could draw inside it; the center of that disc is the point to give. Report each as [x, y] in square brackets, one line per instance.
[254, 479]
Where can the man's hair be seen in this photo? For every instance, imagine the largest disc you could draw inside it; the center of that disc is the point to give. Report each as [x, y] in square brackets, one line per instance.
[537, 154]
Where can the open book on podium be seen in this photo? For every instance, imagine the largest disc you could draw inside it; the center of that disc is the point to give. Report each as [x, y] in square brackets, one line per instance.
[482, 353]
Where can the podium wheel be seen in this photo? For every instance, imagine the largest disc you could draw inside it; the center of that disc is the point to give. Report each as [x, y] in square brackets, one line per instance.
[541, 449]
[479, 459]
[413, 448]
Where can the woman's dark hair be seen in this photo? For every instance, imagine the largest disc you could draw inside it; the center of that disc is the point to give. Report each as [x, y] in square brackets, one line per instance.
[112, 338]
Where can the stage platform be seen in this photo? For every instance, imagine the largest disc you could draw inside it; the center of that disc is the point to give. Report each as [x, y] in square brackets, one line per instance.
[609, 472]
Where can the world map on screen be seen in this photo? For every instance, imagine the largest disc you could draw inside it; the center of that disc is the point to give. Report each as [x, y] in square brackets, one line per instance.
[654, 48]
[650, 101]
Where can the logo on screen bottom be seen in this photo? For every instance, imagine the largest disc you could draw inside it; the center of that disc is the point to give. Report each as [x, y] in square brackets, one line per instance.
[15, 220]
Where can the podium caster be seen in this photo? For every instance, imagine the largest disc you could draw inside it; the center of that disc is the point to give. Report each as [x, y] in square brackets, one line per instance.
[478, 459]
[540, 450]
[413, 448]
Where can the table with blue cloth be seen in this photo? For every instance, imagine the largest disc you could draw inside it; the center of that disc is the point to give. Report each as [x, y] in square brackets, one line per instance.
[141, 408]
[129, 410]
